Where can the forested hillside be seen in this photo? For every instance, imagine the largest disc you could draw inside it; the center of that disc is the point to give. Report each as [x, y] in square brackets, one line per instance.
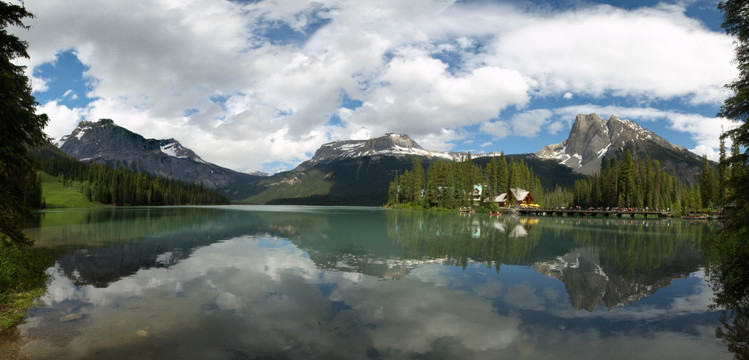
[450, 184]
[121, 186]
[626, 182]
[623, 182]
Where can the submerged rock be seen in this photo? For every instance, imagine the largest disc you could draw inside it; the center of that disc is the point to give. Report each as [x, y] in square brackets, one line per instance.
[71, 317]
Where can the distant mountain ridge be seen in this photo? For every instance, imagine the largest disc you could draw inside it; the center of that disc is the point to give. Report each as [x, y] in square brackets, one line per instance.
[357, 172]
[592, 140]
[388, 145]
[105, 142]
[78, 144]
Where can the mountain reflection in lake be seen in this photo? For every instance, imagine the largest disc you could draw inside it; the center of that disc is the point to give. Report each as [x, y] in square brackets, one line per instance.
[247, 282]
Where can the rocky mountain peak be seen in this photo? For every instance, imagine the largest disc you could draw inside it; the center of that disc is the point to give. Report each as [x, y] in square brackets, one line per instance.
[93, 139]
[588, 140]
[88, 124]
[592, 139]
[90, 140]
[105, 142]
[390, 142]
[389, 145]
[588, 136]
[623, 131]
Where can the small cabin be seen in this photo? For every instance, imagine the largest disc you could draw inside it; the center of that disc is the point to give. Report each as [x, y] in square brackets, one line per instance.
[518, 197]
[477, 191]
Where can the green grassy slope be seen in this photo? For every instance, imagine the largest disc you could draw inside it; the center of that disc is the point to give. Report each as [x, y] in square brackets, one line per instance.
[57, 195]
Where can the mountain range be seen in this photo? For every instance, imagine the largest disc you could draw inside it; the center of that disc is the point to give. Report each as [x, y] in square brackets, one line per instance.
[357, 172]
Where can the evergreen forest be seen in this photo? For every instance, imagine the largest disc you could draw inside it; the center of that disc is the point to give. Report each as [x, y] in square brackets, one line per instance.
[450, 184]
[120, 187]
[624, 182]
[630, 183]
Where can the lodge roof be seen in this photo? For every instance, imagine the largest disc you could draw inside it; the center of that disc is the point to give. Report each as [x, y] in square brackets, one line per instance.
[518, 193]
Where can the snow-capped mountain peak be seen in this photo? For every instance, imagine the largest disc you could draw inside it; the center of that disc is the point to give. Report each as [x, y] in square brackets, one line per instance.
[388, 145]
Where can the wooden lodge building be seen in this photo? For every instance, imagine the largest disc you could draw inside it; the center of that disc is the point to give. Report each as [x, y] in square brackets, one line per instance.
[518, 197]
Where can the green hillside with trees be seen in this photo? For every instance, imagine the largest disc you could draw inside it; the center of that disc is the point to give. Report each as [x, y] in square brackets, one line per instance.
[450, 184]
[122, 186]
[624, 182]
[630, 183]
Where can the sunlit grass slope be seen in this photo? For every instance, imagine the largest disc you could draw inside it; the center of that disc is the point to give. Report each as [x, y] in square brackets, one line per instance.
[57, 195]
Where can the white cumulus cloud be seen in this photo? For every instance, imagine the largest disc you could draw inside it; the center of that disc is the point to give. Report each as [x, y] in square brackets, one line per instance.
[250, 84]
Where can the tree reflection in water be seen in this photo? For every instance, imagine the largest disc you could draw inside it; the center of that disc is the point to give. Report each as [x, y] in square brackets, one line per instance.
[729, 277]
[611, 262]
[360, 281]
[735, 331]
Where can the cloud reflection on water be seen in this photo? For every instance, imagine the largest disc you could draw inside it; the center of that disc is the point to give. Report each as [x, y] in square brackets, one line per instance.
[271, 297]
[260, 300]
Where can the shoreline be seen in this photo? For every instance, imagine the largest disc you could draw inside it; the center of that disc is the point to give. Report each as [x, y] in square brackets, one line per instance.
[11, 343]
[14, 313]
[23, 281]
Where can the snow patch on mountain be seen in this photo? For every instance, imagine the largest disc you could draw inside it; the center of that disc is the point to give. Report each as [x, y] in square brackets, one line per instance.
[59, 143]
[603, 151]
[171, 150]
[388, 145]
[80, 134]
[77, 133]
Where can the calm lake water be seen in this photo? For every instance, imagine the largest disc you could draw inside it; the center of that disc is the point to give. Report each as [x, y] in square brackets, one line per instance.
[256, 282]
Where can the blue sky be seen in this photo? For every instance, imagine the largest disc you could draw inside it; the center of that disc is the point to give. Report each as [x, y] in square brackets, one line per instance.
[260, 85]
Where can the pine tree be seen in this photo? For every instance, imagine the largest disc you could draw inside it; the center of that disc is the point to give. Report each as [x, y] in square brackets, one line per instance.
[649, 184]
[503, 174]
[657, 186]
[491, 179]
[418, 182]
[467, 178]
[20, 129]
[626, 181]
[393, 191]
[435, 183]
[723, 168]
[708, 184]
[731, 253]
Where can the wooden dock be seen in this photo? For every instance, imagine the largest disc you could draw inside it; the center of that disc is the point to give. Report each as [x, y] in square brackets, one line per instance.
[593, 212]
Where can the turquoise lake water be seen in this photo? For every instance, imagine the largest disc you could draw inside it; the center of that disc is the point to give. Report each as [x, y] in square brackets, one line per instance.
[291, 282]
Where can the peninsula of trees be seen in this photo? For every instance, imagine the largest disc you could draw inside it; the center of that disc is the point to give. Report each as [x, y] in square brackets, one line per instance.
[450, 184]
[624, 182]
